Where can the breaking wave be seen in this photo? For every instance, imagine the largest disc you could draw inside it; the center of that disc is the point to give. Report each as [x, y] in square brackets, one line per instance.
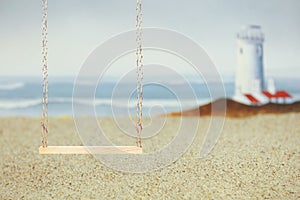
[11, 86]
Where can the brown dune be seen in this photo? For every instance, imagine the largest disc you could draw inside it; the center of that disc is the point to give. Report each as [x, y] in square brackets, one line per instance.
[235, 109]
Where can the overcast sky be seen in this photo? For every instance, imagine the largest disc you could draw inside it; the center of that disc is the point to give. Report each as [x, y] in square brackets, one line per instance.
[76, 27]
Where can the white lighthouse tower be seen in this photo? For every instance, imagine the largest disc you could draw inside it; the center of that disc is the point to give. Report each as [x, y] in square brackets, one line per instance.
[249, 83]
[249, 75]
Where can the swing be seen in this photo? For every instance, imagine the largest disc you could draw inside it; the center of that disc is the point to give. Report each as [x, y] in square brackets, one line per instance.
[45, 149]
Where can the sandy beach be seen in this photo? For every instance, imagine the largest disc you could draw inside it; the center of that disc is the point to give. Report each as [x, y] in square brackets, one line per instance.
[256, 157]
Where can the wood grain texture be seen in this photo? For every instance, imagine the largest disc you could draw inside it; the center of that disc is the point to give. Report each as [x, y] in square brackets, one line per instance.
[90, 150]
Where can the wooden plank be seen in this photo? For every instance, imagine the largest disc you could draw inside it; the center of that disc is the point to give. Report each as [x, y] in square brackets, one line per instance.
[90, 150]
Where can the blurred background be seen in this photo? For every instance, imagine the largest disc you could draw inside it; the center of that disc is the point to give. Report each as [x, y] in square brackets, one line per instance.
[77, 27]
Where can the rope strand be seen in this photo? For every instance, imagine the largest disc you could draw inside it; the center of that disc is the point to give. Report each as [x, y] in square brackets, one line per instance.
[44, 122]
[139, 72]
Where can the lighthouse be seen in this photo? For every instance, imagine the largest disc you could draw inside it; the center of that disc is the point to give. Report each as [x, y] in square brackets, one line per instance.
[249, 75]
[250, 85]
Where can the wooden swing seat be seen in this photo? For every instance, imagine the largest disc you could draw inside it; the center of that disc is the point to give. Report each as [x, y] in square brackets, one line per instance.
[90, 150]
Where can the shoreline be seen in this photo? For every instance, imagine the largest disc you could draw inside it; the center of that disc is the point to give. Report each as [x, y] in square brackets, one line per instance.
[233, 110]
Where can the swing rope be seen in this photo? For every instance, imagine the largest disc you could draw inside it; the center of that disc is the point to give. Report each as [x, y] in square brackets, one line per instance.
[44, 121]
[139, 72]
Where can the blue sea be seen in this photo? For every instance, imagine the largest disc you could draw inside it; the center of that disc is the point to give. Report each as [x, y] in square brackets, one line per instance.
[22, 96]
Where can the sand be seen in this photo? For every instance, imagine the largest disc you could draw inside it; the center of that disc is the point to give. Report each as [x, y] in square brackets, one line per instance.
[256, 158]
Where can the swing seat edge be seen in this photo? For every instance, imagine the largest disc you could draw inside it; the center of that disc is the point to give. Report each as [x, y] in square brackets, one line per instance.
[90, 150]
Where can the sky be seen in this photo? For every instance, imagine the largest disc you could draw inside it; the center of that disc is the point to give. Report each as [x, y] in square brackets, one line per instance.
[77, 27]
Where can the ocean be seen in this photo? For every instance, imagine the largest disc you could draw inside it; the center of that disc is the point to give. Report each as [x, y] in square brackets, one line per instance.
[22, 96]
